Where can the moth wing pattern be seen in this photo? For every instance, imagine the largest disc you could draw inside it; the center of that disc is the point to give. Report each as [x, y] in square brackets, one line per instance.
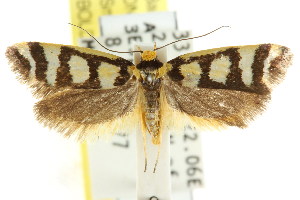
[48, 68]
[84, 91]
[225, 86]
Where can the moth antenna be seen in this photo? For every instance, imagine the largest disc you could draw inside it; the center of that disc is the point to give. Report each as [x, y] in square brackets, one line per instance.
[193, 37]
[102, 44]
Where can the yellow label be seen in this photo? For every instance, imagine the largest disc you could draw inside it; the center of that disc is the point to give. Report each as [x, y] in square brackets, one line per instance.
[86, 13]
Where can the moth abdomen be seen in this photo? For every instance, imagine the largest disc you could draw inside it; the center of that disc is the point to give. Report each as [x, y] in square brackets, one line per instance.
[152, 113]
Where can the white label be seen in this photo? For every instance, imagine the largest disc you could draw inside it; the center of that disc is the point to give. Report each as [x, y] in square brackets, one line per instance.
[137, 23]
[160, 186]
[113, 169]
[112, 163]
[186, 161]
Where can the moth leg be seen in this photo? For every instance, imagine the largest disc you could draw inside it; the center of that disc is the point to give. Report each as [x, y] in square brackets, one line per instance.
[157, 157]
[145, 150]
[144, 127]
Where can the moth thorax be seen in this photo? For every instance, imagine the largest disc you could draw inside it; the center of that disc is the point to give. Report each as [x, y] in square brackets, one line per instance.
[150, 79]
[148, 55]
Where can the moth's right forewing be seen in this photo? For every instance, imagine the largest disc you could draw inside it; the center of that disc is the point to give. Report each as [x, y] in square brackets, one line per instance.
[251, 68]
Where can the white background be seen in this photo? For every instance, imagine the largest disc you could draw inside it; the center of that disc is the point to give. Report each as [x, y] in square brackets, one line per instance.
[261, 162]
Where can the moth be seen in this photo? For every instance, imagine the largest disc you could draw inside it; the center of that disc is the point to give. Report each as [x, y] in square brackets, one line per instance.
[88, 93]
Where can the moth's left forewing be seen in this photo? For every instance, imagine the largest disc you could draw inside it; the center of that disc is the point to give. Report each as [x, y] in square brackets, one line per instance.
[225, 86]
[49, 68]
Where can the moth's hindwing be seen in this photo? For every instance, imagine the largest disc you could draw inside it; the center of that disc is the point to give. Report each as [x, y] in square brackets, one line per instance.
[48, 68]
[225, 86]
[86, 112]
[253, 68]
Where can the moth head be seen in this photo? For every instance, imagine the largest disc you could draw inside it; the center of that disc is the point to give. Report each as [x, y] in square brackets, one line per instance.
[149, 61]
[149, 67]
[148, 55]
